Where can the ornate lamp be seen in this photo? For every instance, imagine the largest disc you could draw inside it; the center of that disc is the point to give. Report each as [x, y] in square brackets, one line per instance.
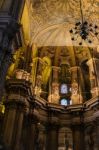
[84, 30]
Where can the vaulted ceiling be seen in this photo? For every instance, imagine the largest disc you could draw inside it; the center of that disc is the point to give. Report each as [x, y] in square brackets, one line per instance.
[51, 20]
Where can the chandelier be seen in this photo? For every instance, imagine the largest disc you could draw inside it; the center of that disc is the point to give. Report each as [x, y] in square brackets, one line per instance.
[84, 30]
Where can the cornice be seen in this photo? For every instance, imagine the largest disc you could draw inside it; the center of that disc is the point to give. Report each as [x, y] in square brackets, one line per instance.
[91, 103]
[72, 114]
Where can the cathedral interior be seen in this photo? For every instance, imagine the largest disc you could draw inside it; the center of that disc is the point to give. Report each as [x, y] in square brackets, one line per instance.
[49, 74]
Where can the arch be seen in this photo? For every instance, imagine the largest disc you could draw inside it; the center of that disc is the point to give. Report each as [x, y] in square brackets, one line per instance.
[65, 138]
[51, 29]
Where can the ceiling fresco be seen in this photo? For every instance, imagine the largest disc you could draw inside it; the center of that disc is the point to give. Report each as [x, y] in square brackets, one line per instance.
[51, 20]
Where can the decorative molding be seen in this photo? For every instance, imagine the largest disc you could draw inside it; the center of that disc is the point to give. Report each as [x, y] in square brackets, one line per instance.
[54, 17]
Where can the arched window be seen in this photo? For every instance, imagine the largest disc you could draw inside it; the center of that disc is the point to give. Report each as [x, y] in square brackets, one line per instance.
[64, 89]
[64, 102]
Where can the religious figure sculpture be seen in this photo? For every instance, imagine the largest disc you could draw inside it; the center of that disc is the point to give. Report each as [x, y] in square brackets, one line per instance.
[76, 96]
[54, 97]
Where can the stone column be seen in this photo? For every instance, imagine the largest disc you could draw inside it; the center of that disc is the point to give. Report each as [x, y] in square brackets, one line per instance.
[13, 124]
[93, 65]
[30, 132]
[52, 131]
[52, 137]
[14, 8]
[54, 90]
[34, 64]
[3, 71]
[6, 48]
[78, 137]
[55, 77]
[41, 140]
[31, 135]
[76, 88]
[90, 137]
[16, 106]
[97, 134]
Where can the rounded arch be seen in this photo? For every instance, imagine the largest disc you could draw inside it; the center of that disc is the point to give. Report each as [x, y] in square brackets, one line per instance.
[53, 35]
[65, 138]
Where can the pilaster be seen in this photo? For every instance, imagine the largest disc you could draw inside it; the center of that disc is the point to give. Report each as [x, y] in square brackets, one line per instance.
[76, 89]
[54, 90]
[16, 105]
[7, 46]
[93, 64]
[52, 137]
[78, 137]
[52, 131]
[97, 134]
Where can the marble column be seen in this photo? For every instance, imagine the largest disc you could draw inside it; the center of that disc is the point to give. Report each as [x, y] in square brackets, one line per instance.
[77, 85]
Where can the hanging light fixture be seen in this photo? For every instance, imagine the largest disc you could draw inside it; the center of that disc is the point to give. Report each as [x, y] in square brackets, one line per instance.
[84, 30]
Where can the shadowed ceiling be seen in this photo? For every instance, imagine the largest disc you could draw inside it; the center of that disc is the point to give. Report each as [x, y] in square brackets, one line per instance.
[51, 20]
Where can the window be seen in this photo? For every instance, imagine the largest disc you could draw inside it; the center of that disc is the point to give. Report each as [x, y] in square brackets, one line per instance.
[64, 102]
[64, 89]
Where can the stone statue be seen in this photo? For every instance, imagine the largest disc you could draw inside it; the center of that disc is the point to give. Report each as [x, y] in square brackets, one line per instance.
[76, 93]
[54, 96]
